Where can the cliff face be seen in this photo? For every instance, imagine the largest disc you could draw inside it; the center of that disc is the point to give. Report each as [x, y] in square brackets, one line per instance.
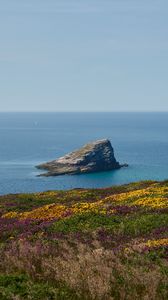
[93, 157]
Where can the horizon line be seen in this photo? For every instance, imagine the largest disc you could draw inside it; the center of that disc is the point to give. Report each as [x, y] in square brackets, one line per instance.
[112, 111]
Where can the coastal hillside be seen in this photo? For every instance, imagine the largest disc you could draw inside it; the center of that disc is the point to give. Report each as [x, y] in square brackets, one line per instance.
[109, 243]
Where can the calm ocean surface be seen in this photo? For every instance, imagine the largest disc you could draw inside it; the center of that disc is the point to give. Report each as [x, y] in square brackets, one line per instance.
[27, 139]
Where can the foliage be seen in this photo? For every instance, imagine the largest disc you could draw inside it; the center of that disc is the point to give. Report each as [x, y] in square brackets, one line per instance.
[85, 244]
[22, 287]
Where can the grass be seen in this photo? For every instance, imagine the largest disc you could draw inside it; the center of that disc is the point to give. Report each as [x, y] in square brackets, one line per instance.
[107, 243]
[85, 222]
[22, 286]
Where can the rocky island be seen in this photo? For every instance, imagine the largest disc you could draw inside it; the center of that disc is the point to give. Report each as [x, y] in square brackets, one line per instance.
[93, 157]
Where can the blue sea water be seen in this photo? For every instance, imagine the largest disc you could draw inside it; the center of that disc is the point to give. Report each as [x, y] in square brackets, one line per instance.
[27, 139]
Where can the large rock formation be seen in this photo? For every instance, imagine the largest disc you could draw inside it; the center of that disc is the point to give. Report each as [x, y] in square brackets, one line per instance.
[93, 157]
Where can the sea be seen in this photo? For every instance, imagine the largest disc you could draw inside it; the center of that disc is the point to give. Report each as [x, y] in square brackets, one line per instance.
[28, 139]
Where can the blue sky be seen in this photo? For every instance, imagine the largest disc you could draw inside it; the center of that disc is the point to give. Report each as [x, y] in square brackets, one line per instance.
[83, 55]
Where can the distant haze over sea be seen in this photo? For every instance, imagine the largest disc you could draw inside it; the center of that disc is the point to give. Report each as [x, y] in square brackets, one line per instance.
[27, 139]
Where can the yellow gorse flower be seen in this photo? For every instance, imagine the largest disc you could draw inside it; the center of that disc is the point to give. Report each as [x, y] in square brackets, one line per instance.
[152, 197]
[45, 212]
[157, 243]
[53, 210]
[10, 215]
[155, 197]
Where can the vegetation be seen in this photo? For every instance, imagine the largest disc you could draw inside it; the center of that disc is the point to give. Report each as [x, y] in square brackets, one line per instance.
[86, 244]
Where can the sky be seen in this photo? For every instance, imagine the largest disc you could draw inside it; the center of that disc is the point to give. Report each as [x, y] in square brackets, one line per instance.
[83, 55]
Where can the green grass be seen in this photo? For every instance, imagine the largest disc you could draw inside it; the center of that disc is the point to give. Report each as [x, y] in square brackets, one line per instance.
[21, 287]
[85, 222]
[134, 225]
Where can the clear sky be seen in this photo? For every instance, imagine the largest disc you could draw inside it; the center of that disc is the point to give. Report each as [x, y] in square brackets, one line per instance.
[83, 55]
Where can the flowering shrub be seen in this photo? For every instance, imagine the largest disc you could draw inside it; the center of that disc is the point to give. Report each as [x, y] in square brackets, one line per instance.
[86, 244]
[153, 197]
[157, 243]
[53, 211]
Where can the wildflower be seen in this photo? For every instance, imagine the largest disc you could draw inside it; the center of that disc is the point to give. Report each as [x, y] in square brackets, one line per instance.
[157, 243]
